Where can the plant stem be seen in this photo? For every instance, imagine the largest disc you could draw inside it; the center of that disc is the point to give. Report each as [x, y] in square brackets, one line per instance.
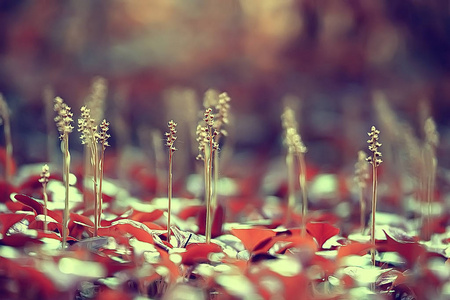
[363, 209]
[374, 208]
[44, 192]
[208, 193]
[66, 170]
[169, 195]
[96, 200]
[302, 179]
[86, 174]
[216, 180]
[210, 208]
[100, 185]
[291, 186]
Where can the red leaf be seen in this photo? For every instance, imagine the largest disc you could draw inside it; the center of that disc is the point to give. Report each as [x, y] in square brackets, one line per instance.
[78, 224]
[296, 241]
[28, 277]
[8, 220]
[37, 206]
[153, 226]
[190, 211]
[321, 232]
[136, 229]
[251, 237]
[411, 251]
[19, 240]
[39, 225]
[354, 248]
[146, 217]
[198, 253]
[217, 221]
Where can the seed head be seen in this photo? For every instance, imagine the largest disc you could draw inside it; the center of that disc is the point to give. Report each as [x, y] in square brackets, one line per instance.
[103, 135]
[288, 119]
[171, 135]
[293, 139]
[87, 127]
[45, 174]
[208, 117]
[223, 108]
[63, 117]
[206, 134]
[96, 99]
[373, 147]
[211, 98]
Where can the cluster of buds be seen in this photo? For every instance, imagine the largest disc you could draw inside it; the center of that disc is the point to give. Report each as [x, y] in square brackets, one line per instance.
[103, 135]
[288, 119]
[96, 99]
[223, 108]
[375, 159]
[45, 174]
[63, 117]
[206, 134]
[211, 98]
[292, 137]
[361, 170]
[87, 127]
[171, 135]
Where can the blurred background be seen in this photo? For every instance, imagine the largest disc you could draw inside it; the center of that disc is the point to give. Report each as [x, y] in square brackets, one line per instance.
[324, 57]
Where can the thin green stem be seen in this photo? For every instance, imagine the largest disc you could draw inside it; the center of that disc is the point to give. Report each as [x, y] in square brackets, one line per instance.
[96, 201]
[362, 203]
[66, 170]
[215, 181]
[374, 208]
[169, 195]
[100, 184]
[291, 186]
[302, 179]
[208, 193]
[44, 192]
[210, 208]
[87, 173]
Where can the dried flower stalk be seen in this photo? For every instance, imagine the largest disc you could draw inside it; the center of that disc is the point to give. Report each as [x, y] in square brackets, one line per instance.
[103, 139]
[207, 146]
[95, 101]
[4, 115]
[170, 140]
[45, 176]
[89, 137]
[297, 149]
[375, 161]
[64, 121]
[223, 108]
